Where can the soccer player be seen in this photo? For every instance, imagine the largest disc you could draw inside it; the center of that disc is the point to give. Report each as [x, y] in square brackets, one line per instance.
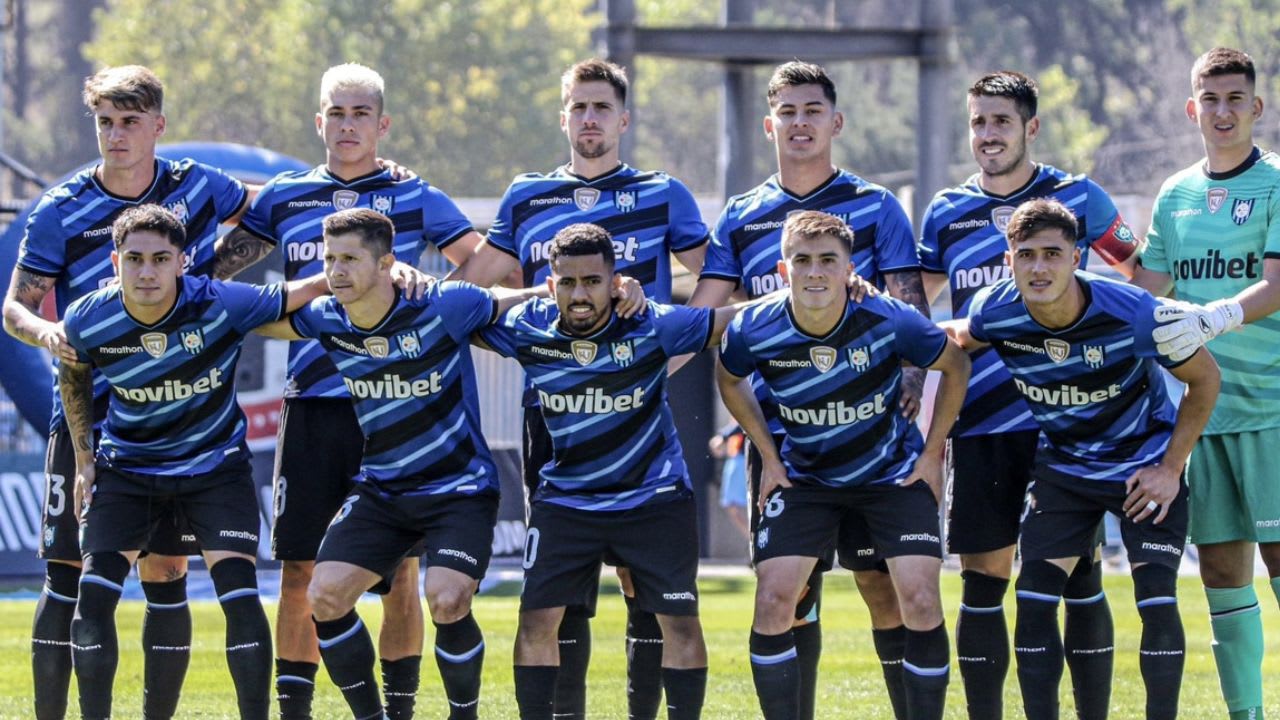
[651, 216]
[617, 478]
[745, 249]
[993, 443]
[1214, 237]
[166, 345]
[319, 449]
[1081, 353]
[67, 248]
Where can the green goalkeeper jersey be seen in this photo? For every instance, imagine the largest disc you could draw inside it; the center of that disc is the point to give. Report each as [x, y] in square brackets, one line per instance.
[1211, 232]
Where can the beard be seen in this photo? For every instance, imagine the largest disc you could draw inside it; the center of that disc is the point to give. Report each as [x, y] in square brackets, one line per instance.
[591, 151]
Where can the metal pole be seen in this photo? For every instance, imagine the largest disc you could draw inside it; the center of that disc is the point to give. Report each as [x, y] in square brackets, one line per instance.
[934, 128]
[738, 120]
[620, 48]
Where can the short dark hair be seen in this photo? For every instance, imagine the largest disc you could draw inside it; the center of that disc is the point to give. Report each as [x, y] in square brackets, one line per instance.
[149, 218]
[128, 87]
[1223, 61]
[1038, 215]
[595, 70]
[582, 239]
[810, 224]
[795, 73]
[375, 229]
[1019, 88]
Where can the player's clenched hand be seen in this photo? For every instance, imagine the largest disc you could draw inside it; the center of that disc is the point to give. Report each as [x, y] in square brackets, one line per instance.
[928, 468]
[1150, 490]
[1184, 327]
[629, 298]
[772, 476]
[54, 339]
[860, 289]
[411, 280]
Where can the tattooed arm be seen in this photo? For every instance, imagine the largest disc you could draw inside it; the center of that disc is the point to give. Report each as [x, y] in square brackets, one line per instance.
[908, 287]
[22, 314]
[75, 382]
[236, 251]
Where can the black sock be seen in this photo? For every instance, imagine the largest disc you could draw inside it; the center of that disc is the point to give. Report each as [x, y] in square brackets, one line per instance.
[574, 640]
[926, 670]
[1088, 638]
[400, 680]
[891, 645]
[295, 686]
[809, 643]
[348, 656]
[535, 691]
[460, 657]
[166, 646]
[982, 643]
[776, 674]
[1162, 653]
[1036, 641]
[686, 691]
[644, 663]
[248, 635]
[94, 647]
[51, 639]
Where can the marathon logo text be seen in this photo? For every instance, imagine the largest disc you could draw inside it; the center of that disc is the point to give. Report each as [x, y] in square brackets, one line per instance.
[835, 413]
[172, 390]
[1066, 395]
[393, 387]
[593, 401]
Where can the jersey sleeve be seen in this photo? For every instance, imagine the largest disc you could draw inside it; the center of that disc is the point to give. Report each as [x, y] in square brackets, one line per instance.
[229, 194]
[465, 308]
[1153, 253]
[306, 320]
[1105, 231]
[502, 336]
[43, 249]
[681, 329]
[71, 321]
[976, 328]
[442, 221]
[915, 336]
[722, 262]
[895, 246]
[735, 356]
[257, 219]
[502, 232]
[1271, 247]
[252, 305]
[928, 250]
[685, 228]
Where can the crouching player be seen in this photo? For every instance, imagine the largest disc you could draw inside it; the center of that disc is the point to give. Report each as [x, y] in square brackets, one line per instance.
[173, 440]
[833, 366]
[1081, 351]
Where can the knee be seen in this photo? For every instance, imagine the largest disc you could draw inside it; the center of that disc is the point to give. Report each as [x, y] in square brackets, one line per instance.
[877, 592]
[327, 599]
[295, 578]
[161, 568]
[775, 608]
[920, 604]
[1040, 583]
[450, 602]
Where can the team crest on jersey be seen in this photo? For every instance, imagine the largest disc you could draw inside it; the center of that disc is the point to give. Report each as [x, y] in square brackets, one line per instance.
[822, 357]
[623, 353]
[179, 208]
[193, 340]
[624, 200]
[584, 351]
[1214, 197]
[1057, 349]
[1094, 356]
[345, 199]
[382, 203]
[408, 344]
[1000, 217]
[859, 358]
[155, 343]
[1241, 210]
[377, 346]
[586, 198]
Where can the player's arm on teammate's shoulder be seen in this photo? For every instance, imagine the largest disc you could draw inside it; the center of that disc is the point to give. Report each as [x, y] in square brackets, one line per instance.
[22, 317]
[237, 250]
[486, 266]
[692, 258]
[740, 401]
[958, 330]
[508, 298]
[953, 363]
[75, 383]
[298, 293]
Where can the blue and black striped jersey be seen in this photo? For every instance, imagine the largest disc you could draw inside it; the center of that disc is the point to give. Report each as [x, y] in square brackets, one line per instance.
[837, 395]
[604, 400]
[414, 388]
[173, 408]
[1095, 388]
[289, 212]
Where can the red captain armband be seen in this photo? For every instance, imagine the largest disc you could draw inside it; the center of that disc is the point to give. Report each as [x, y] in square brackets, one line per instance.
[1117, 244]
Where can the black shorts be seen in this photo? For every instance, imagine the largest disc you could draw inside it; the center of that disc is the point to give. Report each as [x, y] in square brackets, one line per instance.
[658, 541]
[1063, 514]
[989, 478]
[59, 531]
[127, 508]
[806, 520]
[376, 532]
[318, 453]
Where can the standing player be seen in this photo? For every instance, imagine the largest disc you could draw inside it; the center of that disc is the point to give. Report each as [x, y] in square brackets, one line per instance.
[962, 246]
[832, 368]
[651, 216]
[318, 452]
[173, 440]
[1081, 352]
[802, 123]
[1215, 237]
[67, 247]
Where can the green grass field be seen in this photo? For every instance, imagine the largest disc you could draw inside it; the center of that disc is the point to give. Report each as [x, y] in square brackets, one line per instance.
[850, 685]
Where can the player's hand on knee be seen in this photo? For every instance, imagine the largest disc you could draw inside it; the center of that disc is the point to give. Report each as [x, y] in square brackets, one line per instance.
[1150, 491]
[629, 297]
[411, 280]
[1182, 327]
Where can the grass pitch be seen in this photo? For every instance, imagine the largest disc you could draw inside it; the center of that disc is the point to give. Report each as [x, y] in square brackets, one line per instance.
[850, 685]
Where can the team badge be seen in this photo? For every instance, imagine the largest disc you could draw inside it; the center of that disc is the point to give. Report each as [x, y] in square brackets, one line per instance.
[1214, 197]
[377, 346]
[179, 208]
[1000, 217]
[1057, 349]
[859, 358]
[622, 352]
[193, 341]
[1094, 356]
[584, 351]
[624, 200]
[48, 536]
[1241, 210]
[1125, 235]
[762, 538]
[155, 343]
[345, 199]
[822, 357]
[408, 344]
[382, 203]
[585, 198]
